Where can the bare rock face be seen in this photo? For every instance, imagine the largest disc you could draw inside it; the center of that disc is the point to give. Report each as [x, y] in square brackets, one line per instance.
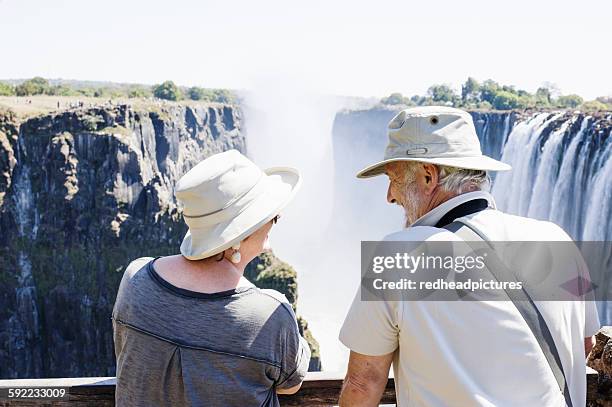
[600, 359]
[8, 141]
[82, 193]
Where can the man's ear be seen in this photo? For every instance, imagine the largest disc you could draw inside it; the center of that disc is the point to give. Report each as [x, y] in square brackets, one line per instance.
[429, 178]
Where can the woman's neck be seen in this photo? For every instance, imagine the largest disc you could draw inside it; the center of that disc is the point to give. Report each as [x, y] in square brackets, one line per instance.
[207, 275]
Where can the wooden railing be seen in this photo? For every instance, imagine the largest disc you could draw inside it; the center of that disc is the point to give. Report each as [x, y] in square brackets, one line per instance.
[318, 389]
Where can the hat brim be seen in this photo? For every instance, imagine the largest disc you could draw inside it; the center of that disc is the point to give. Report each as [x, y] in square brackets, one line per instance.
[281, 185]
[481, 162]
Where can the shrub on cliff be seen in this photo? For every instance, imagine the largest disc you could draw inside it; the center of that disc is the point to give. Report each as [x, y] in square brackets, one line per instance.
[267, 271]
[167, 90]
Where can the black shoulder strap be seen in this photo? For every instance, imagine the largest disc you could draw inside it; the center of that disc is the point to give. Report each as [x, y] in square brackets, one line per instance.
[525, 305]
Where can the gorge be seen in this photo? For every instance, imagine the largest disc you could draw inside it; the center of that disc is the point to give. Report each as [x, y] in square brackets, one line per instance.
[84, 191]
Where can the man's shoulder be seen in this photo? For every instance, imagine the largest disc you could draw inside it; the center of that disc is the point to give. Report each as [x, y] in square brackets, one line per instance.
[419, 234]
[502, 226]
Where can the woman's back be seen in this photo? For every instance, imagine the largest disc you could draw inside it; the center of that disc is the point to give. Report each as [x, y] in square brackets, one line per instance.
[180, 347]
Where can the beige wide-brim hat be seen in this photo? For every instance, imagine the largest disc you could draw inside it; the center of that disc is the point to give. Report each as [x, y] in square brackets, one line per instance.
[437, 135]
[227, 197]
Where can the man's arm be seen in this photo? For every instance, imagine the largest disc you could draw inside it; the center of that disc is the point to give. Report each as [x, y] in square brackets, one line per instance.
[366, 379]
[290, 390]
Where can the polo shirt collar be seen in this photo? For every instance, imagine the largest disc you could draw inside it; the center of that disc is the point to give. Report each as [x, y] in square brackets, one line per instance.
[432, 217]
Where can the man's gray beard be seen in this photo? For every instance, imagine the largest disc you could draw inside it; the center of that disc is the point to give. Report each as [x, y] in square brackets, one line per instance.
[411, 203]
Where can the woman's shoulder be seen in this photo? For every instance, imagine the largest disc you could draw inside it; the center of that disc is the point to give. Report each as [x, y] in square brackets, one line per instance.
[135, 266]
[276, 302]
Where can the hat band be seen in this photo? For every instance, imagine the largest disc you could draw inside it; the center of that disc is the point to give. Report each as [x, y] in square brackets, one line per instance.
[230, 202]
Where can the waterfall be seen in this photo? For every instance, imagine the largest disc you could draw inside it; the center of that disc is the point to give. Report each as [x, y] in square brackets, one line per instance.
[560, 172]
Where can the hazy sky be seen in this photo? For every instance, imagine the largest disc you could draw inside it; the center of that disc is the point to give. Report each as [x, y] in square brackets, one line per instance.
[341, 47]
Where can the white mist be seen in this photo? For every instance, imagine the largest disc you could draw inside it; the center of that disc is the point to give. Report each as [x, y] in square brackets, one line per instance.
[320, 231]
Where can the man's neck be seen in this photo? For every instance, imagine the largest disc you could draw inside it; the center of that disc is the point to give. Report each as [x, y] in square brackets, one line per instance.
[437, 199]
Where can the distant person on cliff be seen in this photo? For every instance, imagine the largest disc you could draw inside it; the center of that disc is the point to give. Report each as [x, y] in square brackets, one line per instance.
[189, 329]
[461, 353]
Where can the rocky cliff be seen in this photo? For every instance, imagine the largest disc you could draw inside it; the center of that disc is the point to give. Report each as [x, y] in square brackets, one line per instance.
[82, 193]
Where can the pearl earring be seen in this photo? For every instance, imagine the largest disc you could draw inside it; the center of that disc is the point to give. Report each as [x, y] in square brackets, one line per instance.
[235, 257]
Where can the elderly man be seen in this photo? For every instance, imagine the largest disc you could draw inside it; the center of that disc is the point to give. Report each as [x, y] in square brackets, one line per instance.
[461, 353]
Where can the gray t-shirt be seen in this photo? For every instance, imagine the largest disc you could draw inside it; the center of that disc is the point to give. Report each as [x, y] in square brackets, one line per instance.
[183, 348]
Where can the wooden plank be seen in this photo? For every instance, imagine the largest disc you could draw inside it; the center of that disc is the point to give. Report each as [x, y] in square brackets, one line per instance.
[82, 392]
[325, 392]
[318, 389]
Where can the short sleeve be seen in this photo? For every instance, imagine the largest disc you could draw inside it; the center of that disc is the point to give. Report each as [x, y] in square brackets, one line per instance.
[591, 318]
[296, 354]
[371, 327]
[120, 299]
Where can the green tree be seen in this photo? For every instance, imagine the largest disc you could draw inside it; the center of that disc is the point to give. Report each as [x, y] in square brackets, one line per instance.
[393, 99]
[441, 93]
[100, 92]
[89, 92]
[138, 92]
[570, 101]
[197, 93]
[522, 92]
[505, 100]
[488, 90]
[416, 99]
[223, 96]
[167, 90]
[543, 96]
[61, 90]
[526, 100]
[34, 86]
[6, 89]
[484, 105]
[470, 90]
[594, 105]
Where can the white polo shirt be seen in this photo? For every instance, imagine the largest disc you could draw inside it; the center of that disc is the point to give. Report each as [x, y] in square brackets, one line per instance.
[473, 353]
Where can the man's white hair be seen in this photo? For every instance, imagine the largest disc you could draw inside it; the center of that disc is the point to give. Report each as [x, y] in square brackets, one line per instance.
[454, 180]
[462, 180]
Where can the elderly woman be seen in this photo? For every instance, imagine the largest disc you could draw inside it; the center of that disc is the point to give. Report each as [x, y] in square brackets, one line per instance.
[189, 329]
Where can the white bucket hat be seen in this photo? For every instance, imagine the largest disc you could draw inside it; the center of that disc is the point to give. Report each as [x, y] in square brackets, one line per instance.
[434, 134]
[226, 198]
